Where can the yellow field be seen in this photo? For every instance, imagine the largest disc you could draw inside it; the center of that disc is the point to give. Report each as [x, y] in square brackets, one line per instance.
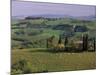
[42, 60]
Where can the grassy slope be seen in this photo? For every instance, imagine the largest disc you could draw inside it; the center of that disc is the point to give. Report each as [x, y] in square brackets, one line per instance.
[49, 32]
[44, 60]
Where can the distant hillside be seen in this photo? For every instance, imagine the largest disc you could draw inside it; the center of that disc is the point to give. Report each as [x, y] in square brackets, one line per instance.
[92, 17]
[17, 17]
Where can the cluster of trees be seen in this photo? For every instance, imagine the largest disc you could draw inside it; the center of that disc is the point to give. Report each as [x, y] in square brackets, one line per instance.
[60, 44]
[82, 45]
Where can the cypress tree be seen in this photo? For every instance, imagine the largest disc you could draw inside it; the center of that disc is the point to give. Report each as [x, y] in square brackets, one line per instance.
[66, 42]
[94, 43]
[59, 41]
[85, 42]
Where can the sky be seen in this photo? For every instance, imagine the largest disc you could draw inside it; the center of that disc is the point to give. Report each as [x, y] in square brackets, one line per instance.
[28, 8]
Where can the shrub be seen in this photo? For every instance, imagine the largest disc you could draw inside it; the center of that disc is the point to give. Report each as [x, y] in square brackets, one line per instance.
[15, 72]
[22, 66]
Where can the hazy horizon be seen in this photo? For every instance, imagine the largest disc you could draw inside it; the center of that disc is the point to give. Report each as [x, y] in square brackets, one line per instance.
[28, 8]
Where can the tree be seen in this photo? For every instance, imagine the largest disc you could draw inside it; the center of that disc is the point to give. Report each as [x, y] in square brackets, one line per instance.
[94, 44]
[66, 42]
[47, 43]
[85, 42]
[59, 41]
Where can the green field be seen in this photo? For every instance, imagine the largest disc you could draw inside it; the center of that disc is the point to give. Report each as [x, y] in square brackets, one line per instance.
[41, 60]
[38, 30]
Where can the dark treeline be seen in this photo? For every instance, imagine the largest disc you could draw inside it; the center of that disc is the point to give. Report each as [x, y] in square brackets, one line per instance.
[34, 18]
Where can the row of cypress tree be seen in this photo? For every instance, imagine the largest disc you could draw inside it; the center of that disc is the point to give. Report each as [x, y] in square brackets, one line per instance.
[84, 42]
